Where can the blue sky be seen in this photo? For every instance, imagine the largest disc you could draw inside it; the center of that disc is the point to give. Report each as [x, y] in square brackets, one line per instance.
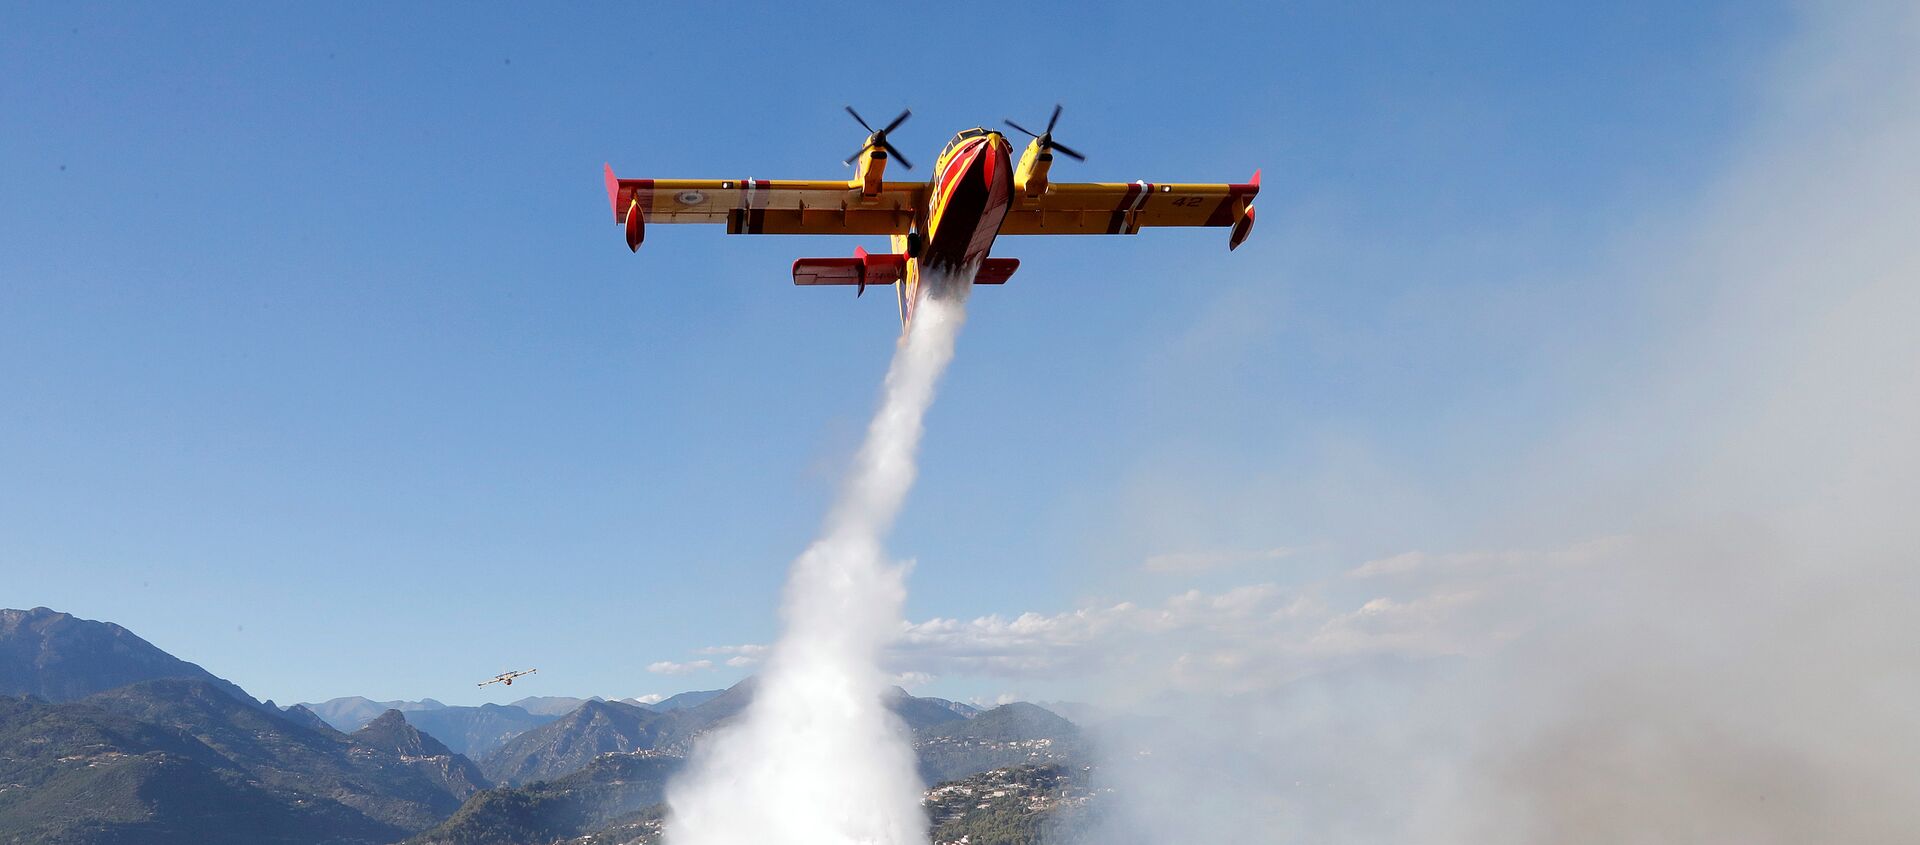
[326, 368]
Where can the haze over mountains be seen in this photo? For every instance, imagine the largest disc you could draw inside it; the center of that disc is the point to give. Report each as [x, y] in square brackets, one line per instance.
[479, 731]
[104, 738]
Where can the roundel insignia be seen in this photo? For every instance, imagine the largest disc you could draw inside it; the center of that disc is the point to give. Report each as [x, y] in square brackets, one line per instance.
[690, 197]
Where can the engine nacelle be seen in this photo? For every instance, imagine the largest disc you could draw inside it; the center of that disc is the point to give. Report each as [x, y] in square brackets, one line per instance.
[873, 168]
[1030, 179]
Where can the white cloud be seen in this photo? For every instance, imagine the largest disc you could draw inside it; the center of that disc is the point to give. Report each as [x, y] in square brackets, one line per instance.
[737, 657]
[1440, 623]
[752, 650]
[988, 703]
[1201, 561]
[1457, 563]
[1245, 638]
[1400, 563]
[912, 680]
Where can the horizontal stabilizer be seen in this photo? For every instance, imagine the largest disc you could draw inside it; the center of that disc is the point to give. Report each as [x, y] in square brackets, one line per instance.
[863, 269]
[996, 271]
[826, 271]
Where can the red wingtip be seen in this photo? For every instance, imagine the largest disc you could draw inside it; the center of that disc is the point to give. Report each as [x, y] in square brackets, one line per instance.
[613, 192]
[1255, 182]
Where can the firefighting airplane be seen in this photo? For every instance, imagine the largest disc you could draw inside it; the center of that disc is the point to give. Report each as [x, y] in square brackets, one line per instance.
[505, 678]
[941, 228]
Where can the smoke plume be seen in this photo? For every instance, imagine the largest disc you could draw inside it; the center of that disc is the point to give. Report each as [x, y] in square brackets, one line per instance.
[1722, 646]
[817, 758]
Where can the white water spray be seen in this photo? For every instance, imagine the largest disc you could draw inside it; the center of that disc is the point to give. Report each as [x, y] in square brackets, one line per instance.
[817, 758]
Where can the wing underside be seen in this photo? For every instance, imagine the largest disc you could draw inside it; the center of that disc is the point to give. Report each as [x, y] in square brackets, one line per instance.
[827, 207]
[769, 206]
[1124, 208]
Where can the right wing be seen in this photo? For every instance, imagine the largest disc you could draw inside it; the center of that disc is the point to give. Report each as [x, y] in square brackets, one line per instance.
[770, 206]
[1123, 208]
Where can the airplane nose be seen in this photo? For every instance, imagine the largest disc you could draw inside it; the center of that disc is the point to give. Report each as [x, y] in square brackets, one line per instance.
[993, 157]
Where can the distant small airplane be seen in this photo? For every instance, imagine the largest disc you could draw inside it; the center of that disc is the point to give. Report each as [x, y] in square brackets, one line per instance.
[941, 229]
[506, 678]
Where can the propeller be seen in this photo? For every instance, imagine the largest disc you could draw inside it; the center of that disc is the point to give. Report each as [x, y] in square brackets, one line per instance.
[1046, 138]
[878, 137]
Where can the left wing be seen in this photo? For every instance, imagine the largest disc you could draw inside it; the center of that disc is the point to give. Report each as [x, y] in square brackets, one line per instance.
[1123, 208]
[770, 206]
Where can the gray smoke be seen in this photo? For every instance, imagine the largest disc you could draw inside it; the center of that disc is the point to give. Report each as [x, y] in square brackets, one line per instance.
[1726, 647]
[817, 758]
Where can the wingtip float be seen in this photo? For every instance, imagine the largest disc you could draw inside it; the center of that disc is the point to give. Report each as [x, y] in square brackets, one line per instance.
[937, 227]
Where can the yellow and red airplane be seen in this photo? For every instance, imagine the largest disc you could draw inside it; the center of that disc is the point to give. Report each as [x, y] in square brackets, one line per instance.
[942, 229]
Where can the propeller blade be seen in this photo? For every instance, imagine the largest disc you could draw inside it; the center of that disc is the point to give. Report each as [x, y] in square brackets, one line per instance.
[856, 116]
[1046, 138]
[888, 146]
[904, 114]
[878, 137]
[1056, 145]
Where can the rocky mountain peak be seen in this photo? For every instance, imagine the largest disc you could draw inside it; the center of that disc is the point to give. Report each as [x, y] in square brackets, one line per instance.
[61, 657]
[391, 732]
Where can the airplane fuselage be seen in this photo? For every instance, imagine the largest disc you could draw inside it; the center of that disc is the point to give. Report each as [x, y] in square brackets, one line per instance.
[971, 190]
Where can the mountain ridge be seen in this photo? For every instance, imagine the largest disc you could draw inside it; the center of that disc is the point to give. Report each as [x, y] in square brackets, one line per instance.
[158, 761]
[182, 756]
[570, 742]
[60, 657]
[391, 733]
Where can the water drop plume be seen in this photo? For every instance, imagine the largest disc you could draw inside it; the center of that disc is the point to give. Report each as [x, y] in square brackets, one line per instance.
[817, 757]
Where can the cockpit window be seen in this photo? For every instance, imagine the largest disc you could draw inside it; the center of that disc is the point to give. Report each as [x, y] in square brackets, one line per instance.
[961, 138]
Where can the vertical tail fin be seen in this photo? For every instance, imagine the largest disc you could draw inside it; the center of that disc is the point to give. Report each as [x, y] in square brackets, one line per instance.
[907, 289]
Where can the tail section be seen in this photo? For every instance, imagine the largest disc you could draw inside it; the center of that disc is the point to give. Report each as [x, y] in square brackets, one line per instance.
[864, 268]
[907, 290]
[889, 268]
